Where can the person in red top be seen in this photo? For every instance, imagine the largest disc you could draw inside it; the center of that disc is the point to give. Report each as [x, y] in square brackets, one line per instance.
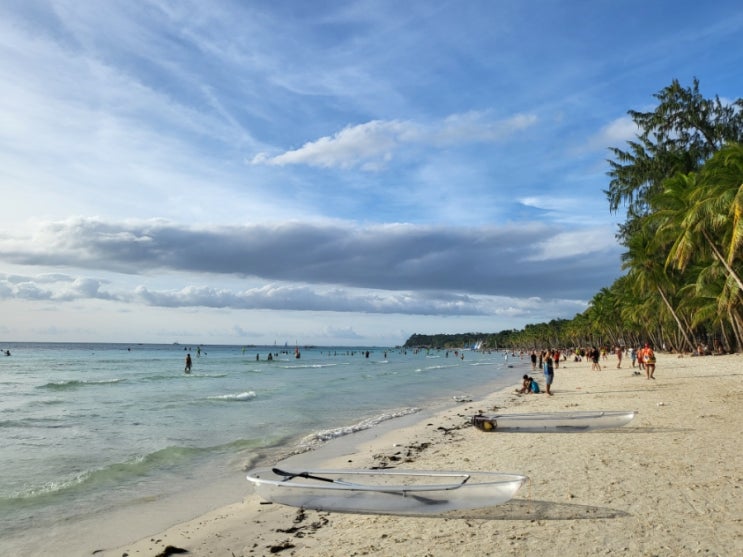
[648, 357]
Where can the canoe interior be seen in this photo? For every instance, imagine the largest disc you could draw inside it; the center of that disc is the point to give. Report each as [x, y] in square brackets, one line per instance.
[387, 491]
[554, 421]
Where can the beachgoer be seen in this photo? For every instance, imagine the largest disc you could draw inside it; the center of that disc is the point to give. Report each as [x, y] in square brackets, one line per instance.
[618, 351]
[633, 355]
[533, 360]
[595, 365]
[549, 373]
[641, 358]
[648, 357]
[525, 385]
[188, 363]
[533, 386]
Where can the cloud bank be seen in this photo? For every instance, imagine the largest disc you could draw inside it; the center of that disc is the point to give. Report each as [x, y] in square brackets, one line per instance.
[519, 260]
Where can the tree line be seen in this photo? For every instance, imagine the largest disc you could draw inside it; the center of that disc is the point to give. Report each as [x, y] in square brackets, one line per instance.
[680, 183]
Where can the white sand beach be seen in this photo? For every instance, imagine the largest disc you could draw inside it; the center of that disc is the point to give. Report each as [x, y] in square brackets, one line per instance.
[669, 483]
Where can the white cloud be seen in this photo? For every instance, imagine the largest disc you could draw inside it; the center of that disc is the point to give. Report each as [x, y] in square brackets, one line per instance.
[575, 245]
[372, 145]
[349, 147]
[614, 134]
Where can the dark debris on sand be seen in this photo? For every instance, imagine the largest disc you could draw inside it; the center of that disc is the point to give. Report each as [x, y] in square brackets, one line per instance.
[406, 455]
[298, 530]
[281, 547]
[171, 550]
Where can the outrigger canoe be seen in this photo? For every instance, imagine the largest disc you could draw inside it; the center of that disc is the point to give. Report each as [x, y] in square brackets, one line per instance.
[395, 491]
[553, 421]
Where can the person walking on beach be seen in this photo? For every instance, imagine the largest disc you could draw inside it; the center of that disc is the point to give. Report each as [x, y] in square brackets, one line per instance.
[595, 365]
[648, 357]
[188, 364]
[549, 373]
[619, 352]
[533, 360]
[641, 358]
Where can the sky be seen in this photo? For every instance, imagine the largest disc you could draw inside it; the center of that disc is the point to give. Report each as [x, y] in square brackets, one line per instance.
[324, 173]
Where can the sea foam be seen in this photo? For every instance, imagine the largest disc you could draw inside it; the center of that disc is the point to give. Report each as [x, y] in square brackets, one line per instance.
[314, 439]
[247, 395]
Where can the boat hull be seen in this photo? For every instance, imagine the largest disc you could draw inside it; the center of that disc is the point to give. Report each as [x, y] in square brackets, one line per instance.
[554, 422]
[403, 492]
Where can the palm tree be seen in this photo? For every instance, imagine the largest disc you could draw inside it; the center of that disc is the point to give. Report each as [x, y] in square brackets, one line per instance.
[648, 274]
[683, 132]
[710, 217]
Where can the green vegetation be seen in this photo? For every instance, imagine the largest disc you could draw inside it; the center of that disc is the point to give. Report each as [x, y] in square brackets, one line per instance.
[681, 183]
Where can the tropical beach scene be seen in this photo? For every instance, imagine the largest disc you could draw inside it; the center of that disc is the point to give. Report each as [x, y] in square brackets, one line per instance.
[370, 278]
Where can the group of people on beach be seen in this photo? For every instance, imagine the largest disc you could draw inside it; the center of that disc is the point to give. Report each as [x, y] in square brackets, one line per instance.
[643, 357]
[529, 386]
[548, 360]
[645, 360]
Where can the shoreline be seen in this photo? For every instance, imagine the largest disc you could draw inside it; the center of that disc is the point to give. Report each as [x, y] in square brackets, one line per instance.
[198, 438]
[588, 492]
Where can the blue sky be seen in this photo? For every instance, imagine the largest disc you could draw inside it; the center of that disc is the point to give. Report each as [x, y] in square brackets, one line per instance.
[331, 173]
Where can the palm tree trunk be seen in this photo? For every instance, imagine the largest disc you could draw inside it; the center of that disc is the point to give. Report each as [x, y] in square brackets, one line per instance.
[678, 321]
[737, 328]
[722, 260]
[725, 338]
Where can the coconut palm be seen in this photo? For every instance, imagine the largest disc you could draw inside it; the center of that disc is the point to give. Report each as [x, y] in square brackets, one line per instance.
[644, 259]
[705, 211]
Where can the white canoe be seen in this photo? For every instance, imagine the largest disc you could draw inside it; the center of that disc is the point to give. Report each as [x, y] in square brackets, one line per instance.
[553, 421]
[385, 491]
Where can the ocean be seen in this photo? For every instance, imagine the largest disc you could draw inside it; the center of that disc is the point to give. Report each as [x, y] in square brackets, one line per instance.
[90, 428]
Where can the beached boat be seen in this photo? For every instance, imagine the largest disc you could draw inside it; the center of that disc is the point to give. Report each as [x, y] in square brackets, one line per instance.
[553, 421]
[386, 491]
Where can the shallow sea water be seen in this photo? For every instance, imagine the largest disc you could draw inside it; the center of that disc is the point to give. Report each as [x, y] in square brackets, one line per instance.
[87, 428]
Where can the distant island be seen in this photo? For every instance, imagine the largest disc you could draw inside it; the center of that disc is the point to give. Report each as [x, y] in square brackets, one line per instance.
[558, 333]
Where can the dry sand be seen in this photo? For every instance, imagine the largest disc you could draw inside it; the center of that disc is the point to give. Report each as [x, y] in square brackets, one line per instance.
[669, 483]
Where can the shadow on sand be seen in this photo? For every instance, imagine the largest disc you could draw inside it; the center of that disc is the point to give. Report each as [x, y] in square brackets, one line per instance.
[525, 509]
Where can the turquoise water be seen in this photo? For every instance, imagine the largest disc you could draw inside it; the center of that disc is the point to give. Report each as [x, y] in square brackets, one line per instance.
[89, 427]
